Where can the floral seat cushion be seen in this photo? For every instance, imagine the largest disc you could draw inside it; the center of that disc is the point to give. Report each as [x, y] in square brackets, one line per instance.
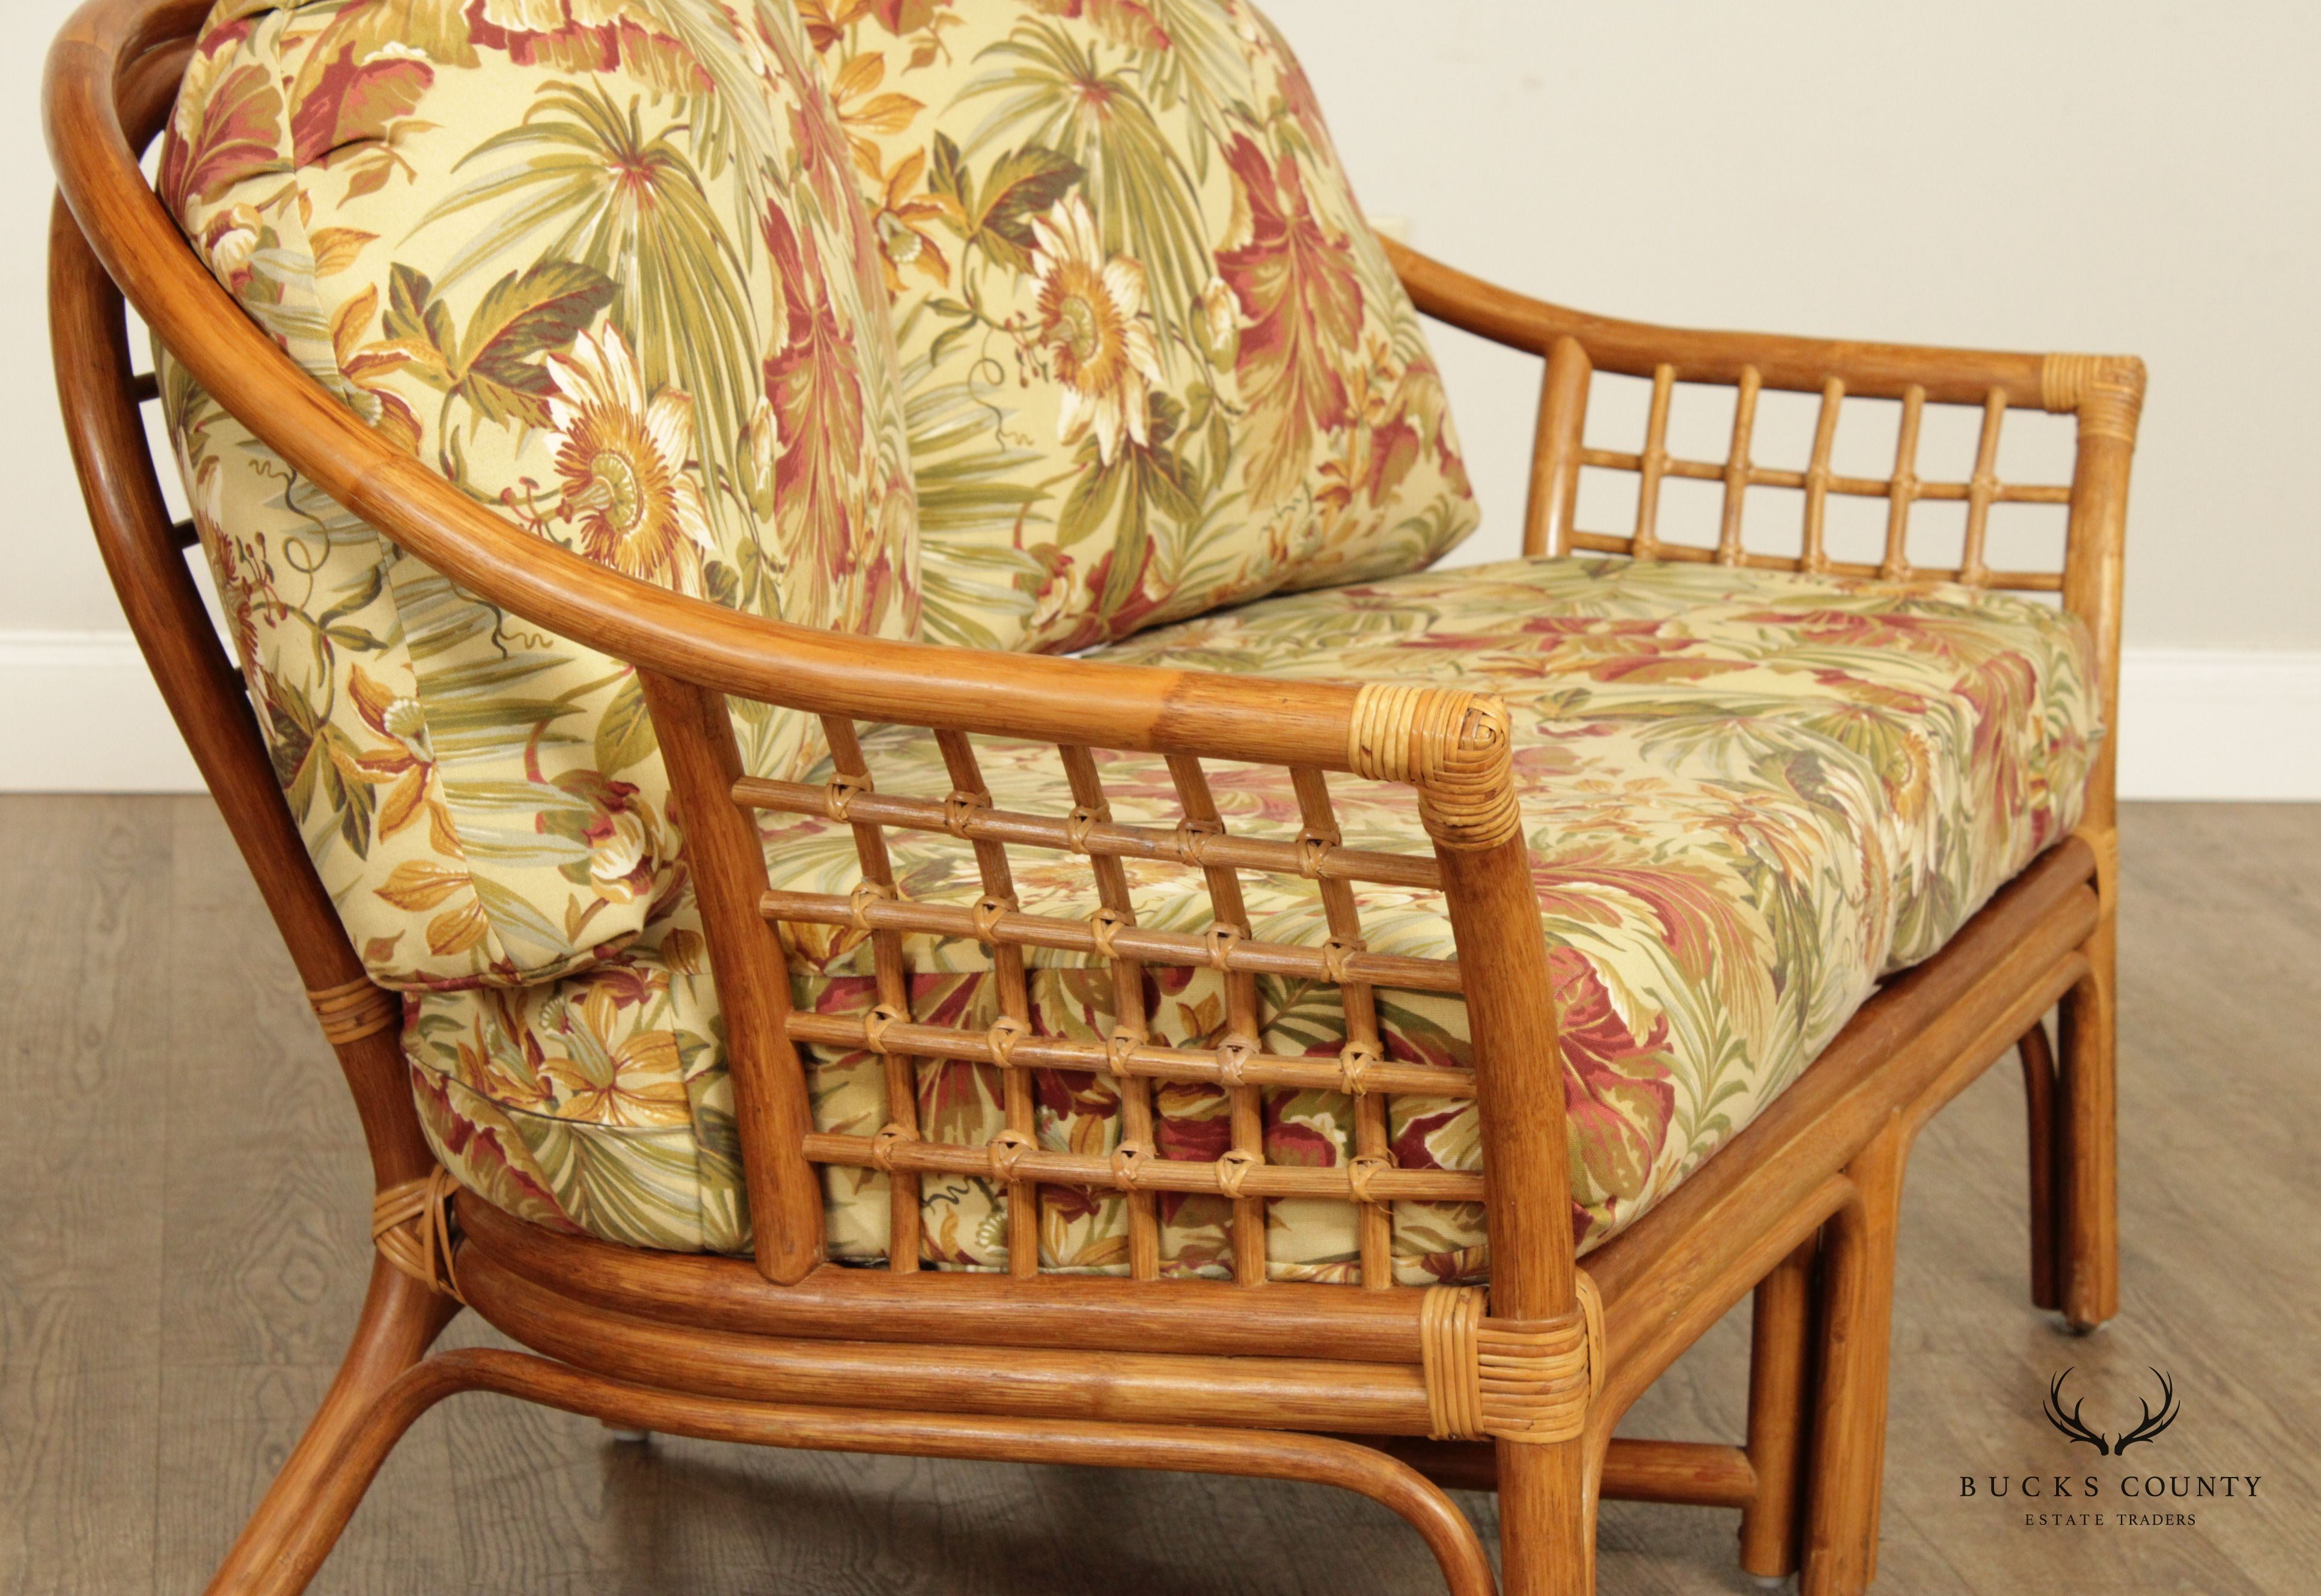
[1749, 796]
[1155, 359]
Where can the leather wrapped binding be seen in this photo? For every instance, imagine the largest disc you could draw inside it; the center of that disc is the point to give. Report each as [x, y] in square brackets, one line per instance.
[2107, 390]
[1455, 747]
[1509, 1380]
[354, 1010]
[411, 1226]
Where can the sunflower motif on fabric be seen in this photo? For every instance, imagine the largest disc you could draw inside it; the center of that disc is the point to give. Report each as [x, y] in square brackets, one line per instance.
[1093, 326]
[622, 461]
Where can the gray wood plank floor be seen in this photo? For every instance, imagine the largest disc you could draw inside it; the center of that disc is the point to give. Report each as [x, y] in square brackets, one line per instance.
[182, 1249]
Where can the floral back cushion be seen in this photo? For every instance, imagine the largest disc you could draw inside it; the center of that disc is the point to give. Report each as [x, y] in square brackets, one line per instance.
[1156, 360]
[603, 266]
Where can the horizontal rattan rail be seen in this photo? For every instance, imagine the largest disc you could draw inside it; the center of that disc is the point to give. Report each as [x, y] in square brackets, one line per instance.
[1117, 937]
[1231, 1066]
[1867, 487]
[1314, 1392]
[1803, 364]
[1247, 1178]
[1684, 553]
[1313, 857]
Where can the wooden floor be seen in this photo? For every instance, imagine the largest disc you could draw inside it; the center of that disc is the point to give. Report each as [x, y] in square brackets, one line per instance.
[182, 1207]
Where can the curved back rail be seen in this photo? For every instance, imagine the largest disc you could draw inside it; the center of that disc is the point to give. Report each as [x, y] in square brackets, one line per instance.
[145, 554]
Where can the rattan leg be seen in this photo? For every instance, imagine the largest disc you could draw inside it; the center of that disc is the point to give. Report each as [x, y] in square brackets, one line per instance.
[1849, 1452]
[2038, 1058]
[2087, 1141]
[1779, 1390]
[1547, 1520]
[400, 1320]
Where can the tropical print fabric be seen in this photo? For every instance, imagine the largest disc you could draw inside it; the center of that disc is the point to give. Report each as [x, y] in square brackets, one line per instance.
[603, 266]
[1156, 361]
[1748, 796]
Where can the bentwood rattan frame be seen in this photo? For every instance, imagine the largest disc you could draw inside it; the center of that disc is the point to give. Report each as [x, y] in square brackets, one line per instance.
[1517, 1388]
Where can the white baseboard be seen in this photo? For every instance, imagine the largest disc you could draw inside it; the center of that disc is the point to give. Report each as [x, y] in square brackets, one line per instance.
[79, 714]
[2219, 723]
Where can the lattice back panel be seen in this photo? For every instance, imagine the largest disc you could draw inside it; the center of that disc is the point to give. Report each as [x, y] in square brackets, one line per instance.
[1771, 479]
[1129, 1058]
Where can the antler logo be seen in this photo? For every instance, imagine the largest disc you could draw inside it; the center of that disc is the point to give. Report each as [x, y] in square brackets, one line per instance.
[2152, 1425]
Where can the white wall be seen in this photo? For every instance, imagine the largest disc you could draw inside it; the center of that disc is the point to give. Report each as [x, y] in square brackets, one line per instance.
[53, 581]
[2097, 174]
[2077, 174]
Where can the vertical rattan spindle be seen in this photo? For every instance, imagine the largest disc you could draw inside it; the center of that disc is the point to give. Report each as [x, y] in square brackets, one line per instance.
[852, 776]
[1230, 925]
[1902, 491]
[1556, 449]
[1813, 554]
[1652, 466]
[1737, 468]
[772, 1115]
[1374, 1220]
[1972, 569]
[1129, 1028]
[969, 798]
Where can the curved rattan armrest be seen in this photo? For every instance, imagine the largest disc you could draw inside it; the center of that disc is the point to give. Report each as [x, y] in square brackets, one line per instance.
[1049, 699]
[2055, 382]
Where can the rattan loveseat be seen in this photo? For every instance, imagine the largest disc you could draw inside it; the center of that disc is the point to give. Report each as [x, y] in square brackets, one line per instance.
[653, 457]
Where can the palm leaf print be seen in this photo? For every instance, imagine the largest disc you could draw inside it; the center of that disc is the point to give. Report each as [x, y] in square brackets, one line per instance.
[1052, 89]
[636, 209]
